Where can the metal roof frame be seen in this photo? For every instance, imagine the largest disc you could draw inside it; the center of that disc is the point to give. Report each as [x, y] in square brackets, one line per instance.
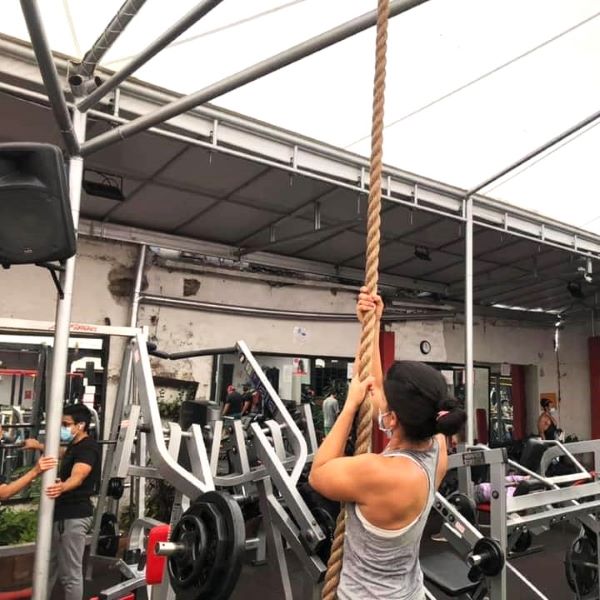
[231, 134]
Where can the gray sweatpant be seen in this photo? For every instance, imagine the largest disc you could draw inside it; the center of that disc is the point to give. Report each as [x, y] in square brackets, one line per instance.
[66, 558]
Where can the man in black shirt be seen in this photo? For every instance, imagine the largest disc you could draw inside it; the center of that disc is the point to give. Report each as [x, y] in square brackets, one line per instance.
[79, 474]
[233, 403]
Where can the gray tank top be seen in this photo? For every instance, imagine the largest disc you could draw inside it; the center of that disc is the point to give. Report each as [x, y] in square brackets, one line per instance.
[385, 564]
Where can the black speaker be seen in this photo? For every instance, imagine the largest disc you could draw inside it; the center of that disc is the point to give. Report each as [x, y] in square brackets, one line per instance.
[36, 225]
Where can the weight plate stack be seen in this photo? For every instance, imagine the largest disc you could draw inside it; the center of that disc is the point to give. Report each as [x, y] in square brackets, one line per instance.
[464, 505]
[108, 537]
[212, 535]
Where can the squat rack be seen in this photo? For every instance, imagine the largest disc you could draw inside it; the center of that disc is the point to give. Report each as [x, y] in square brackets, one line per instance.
[73, 132]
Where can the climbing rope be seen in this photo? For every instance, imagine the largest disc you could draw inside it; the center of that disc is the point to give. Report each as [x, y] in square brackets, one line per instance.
[368, 332]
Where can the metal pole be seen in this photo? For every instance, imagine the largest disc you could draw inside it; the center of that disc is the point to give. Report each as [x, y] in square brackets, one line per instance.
[49, 74]
[194, 15]
[260, 69]
[139, 274]
[277, 313]
[140, 491]
[555, 140]
[107, 38]
[469, 372]
[57, 381]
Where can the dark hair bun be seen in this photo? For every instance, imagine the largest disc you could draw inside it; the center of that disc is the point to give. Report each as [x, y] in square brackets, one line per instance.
[452, 422]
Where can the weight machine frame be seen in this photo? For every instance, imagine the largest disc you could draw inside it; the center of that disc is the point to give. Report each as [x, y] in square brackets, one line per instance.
[535, 512]
[274, 479]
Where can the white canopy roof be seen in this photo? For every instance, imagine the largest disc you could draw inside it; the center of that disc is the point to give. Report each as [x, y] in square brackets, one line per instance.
[433, 50]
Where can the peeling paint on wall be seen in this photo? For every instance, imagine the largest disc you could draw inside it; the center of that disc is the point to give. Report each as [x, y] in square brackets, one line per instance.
[190, 287]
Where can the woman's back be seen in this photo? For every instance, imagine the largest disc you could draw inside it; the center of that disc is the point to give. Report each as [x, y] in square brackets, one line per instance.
[382, 563]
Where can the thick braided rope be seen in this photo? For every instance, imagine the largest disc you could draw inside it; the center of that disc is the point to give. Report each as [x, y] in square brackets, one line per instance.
[365, 424]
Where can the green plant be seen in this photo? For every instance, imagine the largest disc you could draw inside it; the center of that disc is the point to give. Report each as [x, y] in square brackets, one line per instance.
[160, 496]
[17, 526]
[317, 416]
[169, 411]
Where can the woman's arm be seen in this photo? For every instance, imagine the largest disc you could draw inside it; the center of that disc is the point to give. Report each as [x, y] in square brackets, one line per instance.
[33, 444]
[14, 487]
[332, 474]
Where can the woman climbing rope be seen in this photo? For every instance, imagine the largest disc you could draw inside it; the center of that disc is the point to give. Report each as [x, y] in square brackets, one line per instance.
[388, 496]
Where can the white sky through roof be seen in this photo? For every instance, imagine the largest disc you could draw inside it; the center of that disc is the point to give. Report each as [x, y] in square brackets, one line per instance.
[433, 50]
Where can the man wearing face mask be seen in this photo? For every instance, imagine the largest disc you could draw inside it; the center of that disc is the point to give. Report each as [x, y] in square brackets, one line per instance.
[78, 477]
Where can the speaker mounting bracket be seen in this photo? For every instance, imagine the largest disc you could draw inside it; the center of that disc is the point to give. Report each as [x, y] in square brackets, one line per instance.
[54, 268]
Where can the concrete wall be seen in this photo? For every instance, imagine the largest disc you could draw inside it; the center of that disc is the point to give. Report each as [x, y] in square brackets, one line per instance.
[499, 342]
[28, 292]
[105, 273]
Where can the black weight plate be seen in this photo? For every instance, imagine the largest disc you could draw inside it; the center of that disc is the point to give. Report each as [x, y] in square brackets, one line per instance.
[491, 553]
[464, 505]
[186, 567]
[116, 487]
[580, 561]
[213, 555]
[236, 531]
[220, 562]
[326, 522]
[523, 542]
[108, 536]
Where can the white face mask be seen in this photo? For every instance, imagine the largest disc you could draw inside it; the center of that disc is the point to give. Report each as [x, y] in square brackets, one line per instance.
[552, 411]
[387, 430]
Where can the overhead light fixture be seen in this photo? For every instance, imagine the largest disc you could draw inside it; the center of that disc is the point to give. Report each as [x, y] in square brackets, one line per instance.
[422, 253]
[586, 271]
[103, 185]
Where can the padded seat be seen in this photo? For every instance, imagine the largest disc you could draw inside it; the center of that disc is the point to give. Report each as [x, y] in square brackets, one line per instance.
[447, 571]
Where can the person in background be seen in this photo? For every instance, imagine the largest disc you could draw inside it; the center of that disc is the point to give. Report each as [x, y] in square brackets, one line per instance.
[78, 478]
[256, 403]
[547, 423]
[331, 410]
[233, 403]
[246, 399]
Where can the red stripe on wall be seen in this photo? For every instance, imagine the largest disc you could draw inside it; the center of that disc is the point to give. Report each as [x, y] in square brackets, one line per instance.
[594, 359]
[387, 349]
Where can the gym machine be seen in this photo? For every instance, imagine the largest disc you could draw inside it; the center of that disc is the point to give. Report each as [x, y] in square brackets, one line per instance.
[581, 559]
[206, 518]
[573, 497]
